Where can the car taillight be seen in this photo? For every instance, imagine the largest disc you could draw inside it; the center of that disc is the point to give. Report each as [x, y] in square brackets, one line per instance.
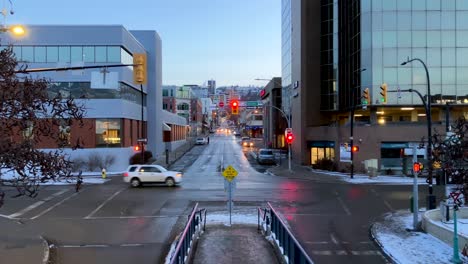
[125, 174]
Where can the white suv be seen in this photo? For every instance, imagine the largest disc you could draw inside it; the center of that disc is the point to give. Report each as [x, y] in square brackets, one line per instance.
[147, 173]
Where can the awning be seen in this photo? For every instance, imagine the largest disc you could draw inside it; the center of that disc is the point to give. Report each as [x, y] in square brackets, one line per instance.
[166, 127]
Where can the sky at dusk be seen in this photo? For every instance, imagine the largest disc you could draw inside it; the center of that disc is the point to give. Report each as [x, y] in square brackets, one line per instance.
[231, 41]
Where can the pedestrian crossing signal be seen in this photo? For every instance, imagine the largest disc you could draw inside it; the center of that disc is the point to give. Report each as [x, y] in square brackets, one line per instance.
[355, 149]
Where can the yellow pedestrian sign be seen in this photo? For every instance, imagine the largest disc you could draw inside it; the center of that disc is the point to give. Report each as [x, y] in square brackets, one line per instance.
[437, 165]
[229, 173]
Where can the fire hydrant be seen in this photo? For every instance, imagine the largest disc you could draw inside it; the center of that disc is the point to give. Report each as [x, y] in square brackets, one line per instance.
[103, 173]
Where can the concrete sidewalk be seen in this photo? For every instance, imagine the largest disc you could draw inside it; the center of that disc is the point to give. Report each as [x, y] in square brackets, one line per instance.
[18, 244]
[233, 244]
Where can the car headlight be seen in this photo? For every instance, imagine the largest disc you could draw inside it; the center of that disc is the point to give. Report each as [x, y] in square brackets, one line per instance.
[251, 143]
[178, 175]
[245, 144]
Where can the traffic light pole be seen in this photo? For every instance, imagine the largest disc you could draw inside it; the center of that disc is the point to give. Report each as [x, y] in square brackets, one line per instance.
[288, 119]
[142, 131]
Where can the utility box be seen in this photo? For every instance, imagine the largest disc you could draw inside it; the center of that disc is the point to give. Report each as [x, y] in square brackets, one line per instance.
[371, 166]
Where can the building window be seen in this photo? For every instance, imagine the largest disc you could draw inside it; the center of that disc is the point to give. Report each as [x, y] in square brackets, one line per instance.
[319, 153]
[108, 133]
[64, 133]
[165, 106]
[28, 131]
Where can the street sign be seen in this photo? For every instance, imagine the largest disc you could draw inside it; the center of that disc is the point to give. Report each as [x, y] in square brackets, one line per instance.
[288, 130]
[229, 173]
[144, 140]
[221, 104]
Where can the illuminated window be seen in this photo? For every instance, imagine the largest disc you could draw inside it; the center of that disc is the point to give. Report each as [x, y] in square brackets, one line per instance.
[108, 133]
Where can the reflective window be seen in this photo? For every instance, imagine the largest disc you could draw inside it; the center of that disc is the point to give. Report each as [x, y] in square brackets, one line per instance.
[462, 38]
[462, 5]
[52, 54]
[101, 54]
[448, 4]
[113, 54]
[390, 57]
[448, 20]
[376, 5]
[448, 56]
[434, 74]
[419, 38]
[126, 57]
[108, 133]
[419, 20]
[462, 56]
[433, 4]
[377, 39]
[389, 5]
[433, 39]
[433, 57]
[404, 38]
[76, 54]
[376, 21]
[404, 20]
[365, 5]
[433, 20]
[64, 54]
[389, 39]
[39, 54]
[462, 19]
[403, 55]
[389, 20]
[419, 5]
[448, 38]
[403, 5]
[17, 51]
[419, 53]
[419, 76]
[462, 75]
[404, 75]
[88, 54]
[390, 76]
[448, 75]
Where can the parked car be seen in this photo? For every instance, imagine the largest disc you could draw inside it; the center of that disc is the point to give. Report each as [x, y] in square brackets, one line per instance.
[265, 156]
[200, 141]
[136, 175]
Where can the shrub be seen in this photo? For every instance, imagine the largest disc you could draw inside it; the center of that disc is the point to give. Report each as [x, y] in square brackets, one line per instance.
[78, 164]
[108, 161]
[136, 158]
[94, 162]
[325, 164]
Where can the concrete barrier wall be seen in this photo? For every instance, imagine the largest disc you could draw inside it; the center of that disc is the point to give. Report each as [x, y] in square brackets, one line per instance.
[429, 224]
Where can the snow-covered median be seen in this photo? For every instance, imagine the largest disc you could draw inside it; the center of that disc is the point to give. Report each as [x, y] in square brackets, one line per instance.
[381, 179]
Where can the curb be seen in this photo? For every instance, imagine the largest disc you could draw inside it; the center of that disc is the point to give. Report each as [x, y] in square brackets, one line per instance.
[387, 254]
[45, 259]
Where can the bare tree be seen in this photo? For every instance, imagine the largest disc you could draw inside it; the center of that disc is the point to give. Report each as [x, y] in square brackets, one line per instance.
[28, 115]
[451, 151]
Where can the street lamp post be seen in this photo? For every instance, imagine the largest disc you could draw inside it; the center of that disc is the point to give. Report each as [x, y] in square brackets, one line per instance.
[431, 197]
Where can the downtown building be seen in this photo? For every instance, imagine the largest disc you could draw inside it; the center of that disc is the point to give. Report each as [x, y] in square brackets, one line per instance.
[118, 112]
[333, 50]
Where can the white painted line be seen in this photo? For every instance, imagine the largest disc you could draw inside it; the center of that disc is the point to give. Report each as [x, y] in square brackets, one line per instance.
[53, 206]
[104, 203]
[131, 245]
[322, 252]
[132, 217]
[341, 252]
[333, 239]
[388, 205]
[95, 246]
[69, 246]
[375, 193]
[36, 204]
[345, 208]
[366, 253]
[317, 242]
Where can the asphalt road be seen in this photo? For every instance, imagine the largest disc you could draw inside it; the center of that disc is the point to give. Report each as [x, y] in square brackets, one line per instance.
[113, 223]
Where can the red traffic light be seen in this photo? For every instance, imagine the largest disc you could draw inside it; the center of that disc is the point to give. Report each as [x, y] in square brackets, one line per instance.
[355, 149]
[137, 148]
[416, 167]
[289, 138]
[234, 103]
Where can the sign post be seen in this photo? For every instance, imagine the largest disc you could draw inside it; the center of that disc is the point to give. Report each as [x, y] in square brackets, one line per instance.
[230, 174]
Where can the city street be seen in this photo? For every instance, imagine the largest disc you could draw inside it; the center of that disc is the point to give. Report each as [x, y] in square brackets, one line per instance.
[114, 223]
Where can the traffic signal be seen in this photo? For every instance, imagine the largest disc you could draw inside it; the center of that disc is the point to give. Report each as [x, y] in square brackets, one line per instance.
[383, 93]
[417, 167]
[355, 149]
[137, 148]
[289, 137]
[139, 68]
[235, 107]
[366, 97]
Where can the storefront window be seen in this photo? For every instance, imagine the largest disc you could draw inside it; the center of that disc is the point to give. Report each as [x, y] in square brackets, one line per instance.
[108, 133]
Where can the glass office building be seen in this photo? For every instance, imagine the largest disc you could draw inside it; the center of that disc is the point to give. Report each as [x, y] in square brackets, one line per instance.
[376, 36]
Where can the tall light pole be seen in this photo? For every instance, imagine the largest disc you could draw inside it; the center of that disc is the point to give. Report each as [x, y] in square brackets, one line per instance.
[351, 136]
[287, 117]
[430, 198]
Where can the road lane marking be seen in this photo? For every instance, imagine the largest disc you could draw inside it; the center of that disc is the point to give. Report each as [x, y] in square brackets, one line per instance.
[345, 208]
[333, 239]
[53, 206]
[104, 203]
[36, 204]
[133, 217]
[101, 245]
[345, 253]
[387, 204]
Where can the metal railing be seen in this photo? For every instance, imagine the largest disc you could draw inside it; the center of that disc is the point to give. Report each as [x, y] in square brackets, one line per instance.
[286, 240]
[181, 251]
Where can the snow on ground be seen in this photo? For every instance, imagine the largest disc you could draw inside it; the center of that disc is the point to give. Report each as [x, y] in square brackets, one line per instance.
[236, 218]
[462, 224]
[88, 178]
[410, 247]
[381, 179]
